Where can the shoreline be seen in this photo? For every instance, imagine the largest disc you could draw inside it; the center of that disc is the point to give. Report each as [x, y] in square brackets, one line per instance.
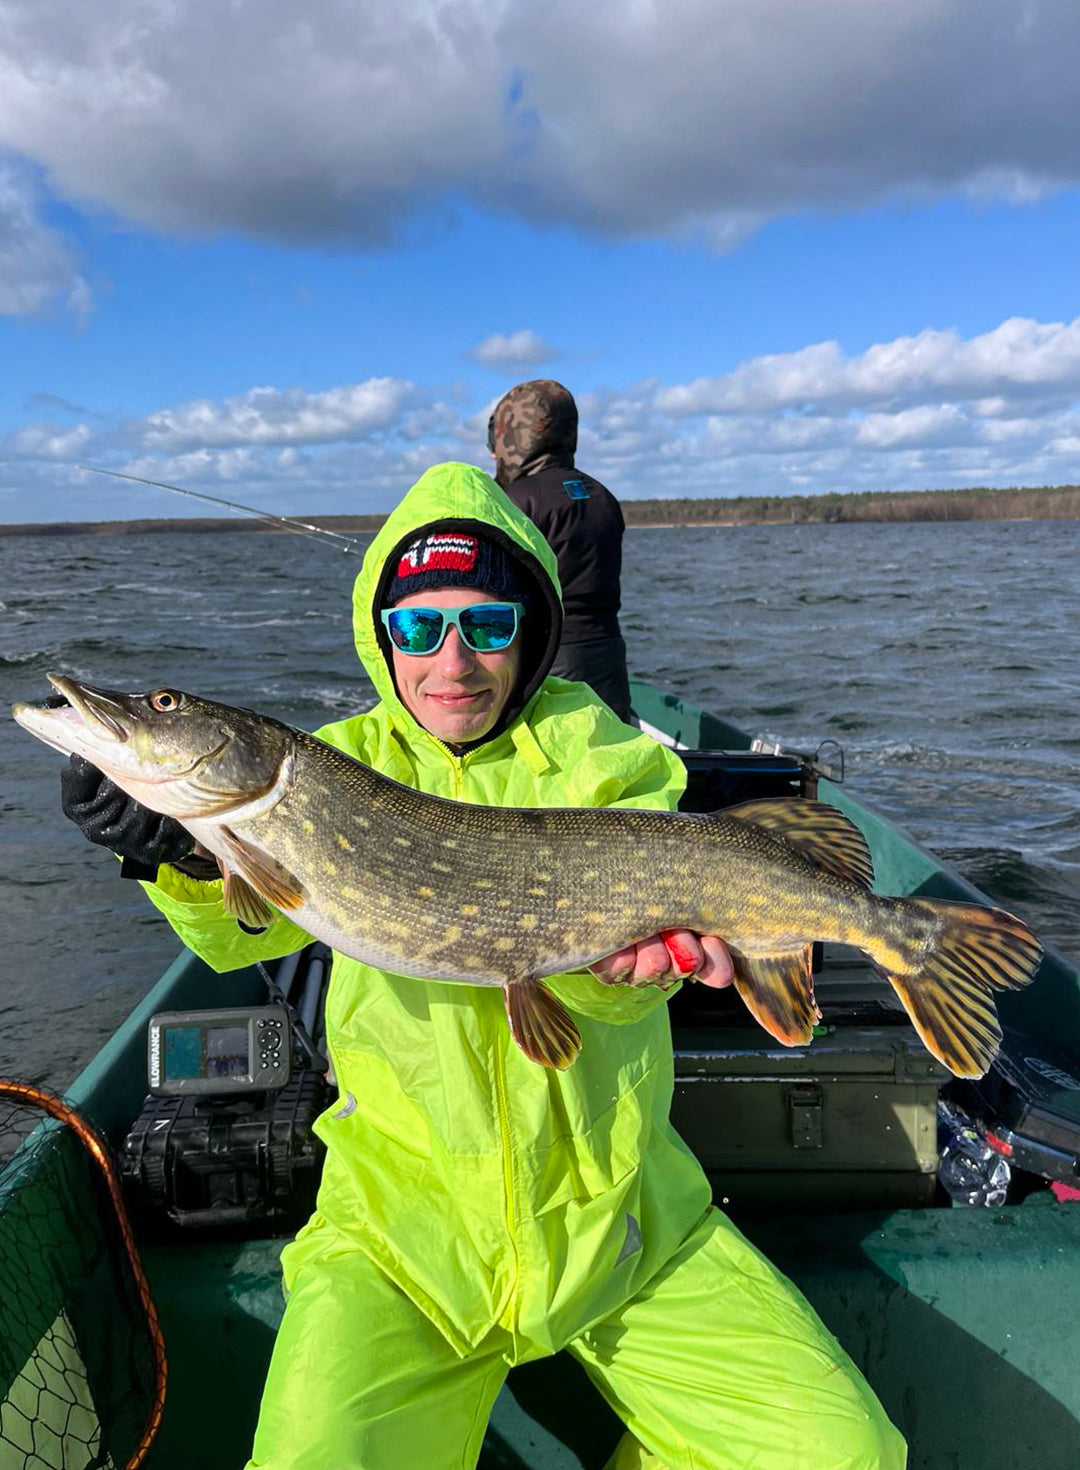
[889, 507]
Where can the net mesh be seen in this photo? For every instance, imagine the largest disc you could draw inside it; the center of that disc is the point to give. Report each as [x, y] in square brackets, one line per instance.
[81, 1359]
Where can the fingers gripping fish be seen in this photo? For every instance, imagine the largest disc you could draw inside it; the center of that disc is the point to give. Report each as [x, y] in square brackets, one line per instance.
[450, 891]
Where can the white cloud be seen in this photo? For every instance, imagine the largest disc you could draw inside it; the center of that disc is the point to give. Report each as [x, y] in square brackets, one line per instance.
[44, 441]
[924, 411]
[37, 270]
[514, 350]
[338, 122]
[1019, 357]
[279, 416]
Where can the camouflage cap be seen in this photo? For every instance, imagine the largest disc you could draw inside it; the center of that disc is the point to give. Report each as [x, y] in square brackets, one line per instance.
[534, 425]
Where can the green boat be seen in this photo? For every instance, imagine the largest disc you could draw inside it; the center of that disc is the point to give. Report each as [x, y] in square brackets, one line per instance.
[966, 1321]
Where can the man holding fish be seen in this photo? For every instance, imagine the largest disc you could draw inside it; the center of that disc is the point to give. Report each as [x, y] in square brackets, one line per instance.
[478, 1210]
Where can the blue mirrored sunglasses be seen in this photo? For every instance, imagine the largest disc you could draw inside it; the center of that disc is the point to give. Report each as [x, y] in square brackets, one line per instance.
[485, 627]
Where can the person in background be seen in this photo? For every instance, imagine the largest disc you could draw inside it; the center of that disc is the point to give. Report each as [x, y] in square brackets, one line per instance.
[533, 436]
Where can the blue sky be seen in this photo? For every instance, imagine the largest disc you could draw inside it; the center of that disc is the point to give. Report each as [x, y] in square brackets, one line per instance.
[770, 251]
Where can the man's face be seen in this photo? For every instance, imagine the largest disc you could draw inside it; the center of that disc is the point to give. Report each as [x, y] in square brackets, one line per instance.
[456, 694]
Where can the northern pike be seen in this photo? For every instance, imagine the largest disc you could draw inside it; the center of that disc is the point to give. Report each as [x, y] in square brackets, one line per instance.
[450, 891]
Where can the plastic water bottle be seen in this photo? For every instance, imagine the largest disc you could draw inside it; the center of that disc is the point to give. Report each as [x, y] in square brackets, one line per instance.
[972, 1172]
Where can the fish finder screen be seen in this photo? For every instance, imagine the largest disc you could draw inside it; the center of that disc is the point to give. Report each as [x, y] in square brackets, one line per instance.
[205, 1051]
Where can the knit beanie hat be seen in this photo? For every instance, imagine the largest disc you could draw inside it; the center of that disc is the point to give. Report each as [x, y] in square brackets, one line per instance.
[455, 559]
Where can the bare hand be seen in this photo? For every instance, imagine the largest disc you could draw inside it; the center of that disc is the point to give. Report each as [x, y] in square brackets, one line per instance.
[663, 959]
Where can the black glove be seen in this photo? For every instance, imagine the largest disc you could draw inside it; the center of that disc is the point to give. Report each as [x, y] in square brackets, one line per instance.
[108, 816]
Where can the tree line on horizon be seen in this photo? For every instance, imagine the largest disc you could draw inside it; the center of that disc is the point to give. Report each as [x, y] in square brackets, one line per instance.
[979, 503]
[1059, 502]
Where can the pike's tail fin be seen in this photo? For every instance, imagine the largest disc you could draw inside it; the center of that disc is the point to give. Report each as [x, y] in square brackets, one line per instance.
[946, 981]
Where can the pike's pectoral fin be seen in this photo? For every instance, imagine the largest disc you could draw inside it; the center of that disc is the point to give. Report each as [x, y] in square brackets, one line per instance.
[261, 873]
[243, 902]
[819, 831]
[540, 1024]
[778, 991]
[949, 997]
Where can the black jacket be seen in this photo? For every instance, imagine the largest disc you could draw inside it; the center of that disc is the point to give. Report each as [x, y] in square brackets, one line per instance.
[583, 524]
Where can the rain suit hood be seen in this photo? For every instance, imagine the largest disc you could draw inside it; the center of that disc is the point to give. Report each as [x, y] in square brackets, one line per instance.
[459, 497]
[533, 428]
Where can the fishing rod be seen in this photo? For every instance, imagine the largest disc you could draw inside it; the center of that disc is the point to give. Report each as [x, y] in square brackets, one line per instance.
[286, 523]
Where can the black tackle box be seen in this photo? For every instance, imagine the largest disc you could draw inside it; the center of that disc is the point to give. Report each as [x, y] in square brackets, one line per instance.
[1030, 1098]
[717, 778]
[247, 1165]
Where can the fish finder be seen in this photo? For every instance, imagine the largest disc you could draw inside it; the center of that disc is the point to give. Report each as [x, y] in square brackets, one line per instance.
[219, 1052]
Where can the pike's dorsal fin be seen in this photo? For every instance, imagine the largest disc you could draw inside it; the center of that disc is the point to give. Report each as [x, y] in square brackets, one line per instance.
[243, 902]
[820, 832]
[540, 1024]
[264, 874]
[778, 991]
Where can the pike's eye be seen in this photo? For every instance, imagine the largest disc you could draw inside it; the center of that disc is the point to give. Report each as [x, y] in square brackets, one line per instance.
[165, 700]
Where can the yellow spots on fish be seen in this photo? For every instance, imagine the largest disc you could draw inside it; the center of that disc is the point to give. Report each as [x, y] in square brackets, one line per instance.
[308, 825]
[484, 883]
[362, 822]
[505, 942]
[329, 867]
[528, 921]
[403, 841]
[344, 843]
[655, 911]
[594, 916]
[544, 877]
[591, 842]
[425, 892]
[755, 900]
[537, 892]
[452, 933]
[620, 888]
[348, 891]
[301, 798]
[629, 911]
[469, 909]
[503, 903]
[591, 875]
[449, 842]
[440, 867]
[543, 850]
[481, 931]
[562, 903]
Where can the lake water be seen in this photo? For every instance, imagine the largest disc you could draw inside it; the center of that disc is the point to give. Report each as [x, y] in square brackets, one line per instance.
[944, 658]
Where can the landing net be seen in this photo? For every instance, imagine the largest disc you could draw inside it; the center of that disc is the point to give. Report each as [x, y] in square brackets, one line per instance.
[82, 1363]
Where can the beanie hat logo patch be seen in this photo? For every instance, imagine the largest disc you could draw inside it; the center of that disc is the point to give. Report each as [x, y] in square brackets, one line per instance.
[440, 552]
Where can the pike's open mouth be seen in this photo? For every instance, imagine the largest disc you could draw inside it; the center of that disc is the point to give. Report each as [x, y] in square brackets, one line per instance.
[94, 705]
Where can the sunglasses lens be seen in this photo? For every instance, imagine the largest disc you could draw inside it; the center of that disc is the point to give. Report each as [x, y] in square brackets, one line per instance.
[415, 629]
[488, 626]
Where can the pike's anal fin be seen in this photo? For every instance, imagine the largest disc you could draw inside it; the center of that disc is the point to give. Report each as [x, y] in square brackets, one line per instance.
[263, 874]
[243, 902]
[541, 1025]
[778, 991]
[818, 830]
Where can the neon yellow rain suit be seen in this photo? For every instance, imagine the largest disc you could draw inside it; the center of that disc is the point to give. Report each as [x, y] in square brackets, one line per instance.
[477, 1210]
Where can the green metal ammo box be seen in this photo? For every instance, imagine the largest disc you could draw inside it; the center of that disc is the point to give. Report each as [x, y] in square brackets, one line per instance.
[847, 1122]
